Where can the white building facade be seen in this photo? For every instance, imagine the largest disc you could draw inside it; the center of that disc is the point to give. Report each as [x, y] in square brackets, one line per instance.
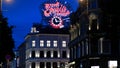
[46, 50]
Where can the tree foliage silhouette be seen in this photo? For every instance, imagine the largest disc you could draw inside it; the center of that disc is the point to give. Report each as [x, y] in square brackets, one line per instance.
[6, 40]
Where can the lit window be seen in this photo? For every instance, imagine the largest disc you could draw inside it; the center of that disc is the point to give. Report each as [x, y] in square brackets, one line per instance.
[55, 43]
[41, 43]
[63, 43]
[37, 54]
[48, 43]
[33, 43]
[33, 29]
[113, 64]
[45, 54]
[95, 67]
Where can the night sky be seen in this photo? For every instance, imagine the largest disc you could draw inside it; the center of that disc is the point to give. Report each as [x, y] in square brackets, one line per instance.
[23, 13]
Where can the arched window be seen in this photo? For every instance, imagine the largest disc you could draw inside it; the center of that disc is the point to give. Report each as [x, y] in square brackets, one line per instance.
[93, 22]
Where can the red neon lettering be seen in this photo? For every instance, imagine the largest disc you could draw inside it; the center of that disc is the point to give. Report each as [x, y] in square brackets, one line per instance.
[56, 9]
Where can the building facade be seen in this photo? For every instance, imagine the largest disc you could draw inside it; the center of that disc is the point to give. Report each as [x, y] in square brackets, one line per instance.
[45, 50]
[95, 36]
[21, 49]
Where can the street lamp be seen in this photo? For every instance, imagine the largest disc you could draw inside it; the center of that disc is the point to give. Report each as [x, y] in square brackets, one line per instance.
[1, 4]
[84, 4]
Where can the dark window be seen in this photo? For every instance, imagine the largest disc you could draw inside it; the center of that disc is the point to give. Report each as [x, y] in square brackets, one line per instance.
[48, 65]
[78, 51]
[33, 65]
[33, 54]
[62, 64]
[94, 47]
[71, 53]
[94, 24]
[54, 64]
[106, 46]
[41, 54]
[48, 54]
[64, 54]
[42, 65]
[93, 4]
[55, 54]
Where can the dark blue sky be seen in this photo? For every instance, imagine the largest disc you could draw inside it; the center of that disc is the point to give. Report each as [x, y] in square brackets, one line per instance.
[23, 13]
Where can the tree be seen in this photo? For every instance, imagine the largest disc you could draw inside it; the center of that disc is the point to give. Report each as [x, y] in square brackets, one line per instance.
[6, 40]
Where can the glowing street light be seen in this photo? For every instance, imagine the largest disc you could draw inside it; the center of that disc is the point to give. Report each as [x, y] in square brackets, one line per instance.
[84, 3]
[1, 4]
[8, 0]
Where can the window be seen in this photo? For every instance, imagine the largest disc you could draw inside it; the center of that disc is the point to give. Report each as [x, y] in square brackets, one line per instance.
[48, 65]
[64, 54]
[62, 64]
[33, 43]
[48, 43]
[48, 54]
[94, 47]
[55, 54]
[93, 4]
[33, 54]
[105, 46]
[55, 65]
[41, 43]
[94, 24]
[55, 43]
[83, 48]
[33, 65]
[41, 54]
[113, 64]
[37, 54]
[95, 66]
[75, 53]
[42, 65]
[79, 51]
[63, 43]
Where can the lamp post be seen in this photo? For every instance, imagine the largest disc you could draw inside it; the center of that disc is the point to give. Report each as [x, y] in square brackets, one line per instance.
[0, 6]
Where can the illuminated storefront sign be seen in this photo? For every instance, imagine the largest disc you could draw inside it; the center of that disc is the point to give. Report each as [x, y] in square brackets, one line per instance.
[56, 12]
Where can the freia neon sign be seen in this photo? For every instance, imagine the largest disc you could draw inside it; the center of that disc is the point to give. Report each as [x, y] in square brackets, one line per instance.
[56, 9]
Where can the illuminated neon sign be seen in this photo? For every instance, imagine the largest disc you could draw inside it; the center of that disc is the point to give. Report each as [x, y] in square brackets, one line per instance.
[56, 14]
[56, 9]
